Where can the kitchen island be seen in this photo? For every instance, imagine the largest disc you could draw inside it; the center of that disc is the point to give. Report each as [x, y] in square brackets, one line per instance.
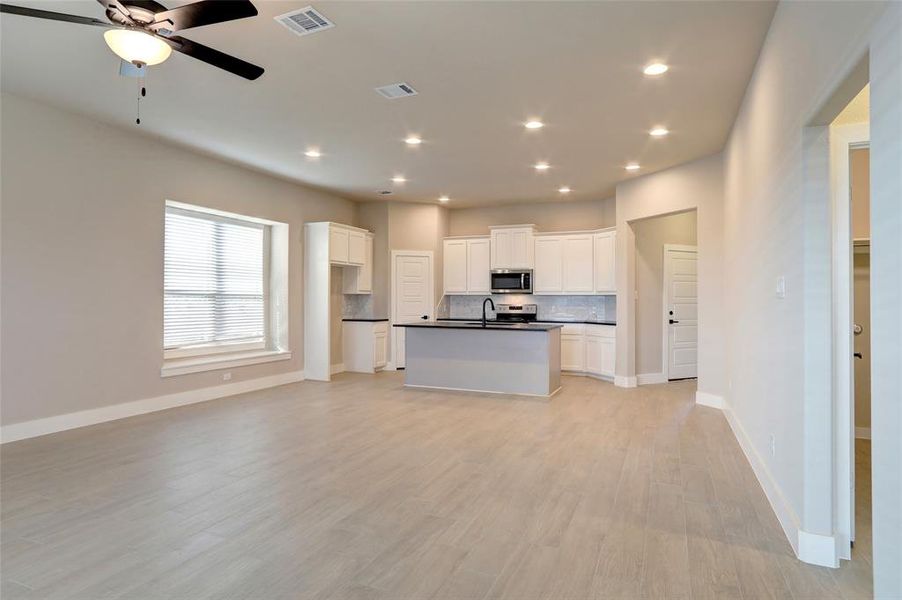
[503, 358]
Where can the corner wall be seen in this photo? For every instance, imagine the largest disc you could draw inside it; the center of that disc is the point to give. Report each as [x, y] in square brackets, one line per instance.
[82, 260]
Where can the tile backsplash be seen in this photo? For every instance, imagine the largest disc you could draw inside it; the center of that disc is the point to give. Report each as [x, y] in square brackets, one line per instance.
[577, 308]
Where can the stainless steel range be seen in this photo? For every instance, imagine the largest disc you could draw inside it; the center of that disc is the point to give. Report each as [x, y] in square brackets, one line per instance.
[517, 313]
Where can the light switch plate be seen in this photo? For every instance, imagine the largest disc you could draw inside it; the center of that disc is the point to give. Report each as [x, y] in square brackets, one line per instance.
[781, 287]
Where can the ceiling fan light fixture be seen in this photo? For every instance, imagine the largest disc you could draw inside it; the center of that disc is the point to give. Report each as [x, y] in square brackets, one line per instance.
[136, 46]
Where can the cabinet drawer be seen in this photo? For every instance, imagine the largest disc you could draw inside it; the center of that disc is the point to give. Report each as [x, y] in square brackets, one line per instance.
[605, 331]
[381, 327]
[573, 329]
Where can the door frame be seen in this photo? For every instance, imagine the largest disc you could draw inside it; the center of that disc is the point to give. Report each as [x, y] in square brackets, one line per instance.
[665, 296]
[390, 366]
[843, 139]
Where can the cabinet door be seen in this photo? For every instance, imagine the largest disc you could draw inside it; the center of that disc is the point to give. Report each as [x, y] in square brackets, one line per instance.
[356, 248]
[573, 353]
[605, 244]
[578, 276]
[521, 256]
[501, 249]
[594, 355]
[338, 245]
[455, 266]
[548, 276]
[379, 350]
[479, 280]
[608, 356]
[365, 276]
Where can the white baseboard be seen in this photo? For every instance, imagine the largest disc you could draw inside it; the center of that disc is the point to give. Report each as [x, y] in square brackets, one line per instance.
[37, 427]
[787, 517]
[335, 369]
[863, 433]
[712, 400]
[625, 381]
[818, 549]
[651, 378]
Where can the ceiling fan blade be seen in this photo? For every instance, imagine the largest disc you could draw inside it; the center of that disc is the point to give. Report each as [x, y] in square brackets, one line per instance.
[53, 16]
[214, 57]
[205, 12]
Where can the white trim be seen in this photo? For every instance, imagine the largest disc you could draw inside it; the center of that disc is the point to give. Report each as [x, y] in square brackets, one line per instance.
[625, 381]
[818, 549]
[843, 138]
[710, 400]
[37, 427]
[183, 366]
[787, 517]
[337, 368]
[863, 433]
[651, 378]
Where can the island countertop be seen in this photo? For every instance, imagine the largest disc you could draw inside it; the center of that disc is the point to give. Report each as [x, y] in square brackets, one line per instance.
[477, 325]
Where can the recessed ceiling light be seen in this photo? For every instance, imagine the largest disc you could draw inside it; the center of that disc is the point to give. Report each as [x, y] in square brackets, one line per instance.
[542, 166]
[399, 179]
[564, 190]
[444, 199]
[312, 153]
[632, 167]
[655, 68]
[658, 132]
[413, 141]
[534, 124]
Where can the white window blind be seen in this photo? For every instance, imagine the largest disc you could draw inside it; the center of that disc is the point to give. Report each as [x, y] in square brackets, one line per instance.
[213, 282]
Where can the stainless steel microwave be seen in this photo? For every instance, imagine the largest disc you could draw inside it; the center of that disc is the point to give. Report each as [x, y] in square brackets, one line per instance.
[511, 281]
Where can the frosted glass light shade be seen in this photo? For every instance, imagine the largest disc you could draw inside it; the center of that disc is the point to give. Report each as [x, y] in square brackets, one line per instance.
[137, 46]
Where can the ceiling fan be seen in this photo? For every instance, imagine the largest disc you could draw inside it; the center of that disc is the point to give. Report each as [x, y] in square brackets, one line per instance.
[141, 31]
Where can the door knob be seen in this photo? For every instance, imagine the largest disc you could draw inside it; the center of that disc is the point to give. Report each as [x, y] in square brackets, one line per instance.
[672, 321]
[858, 355]
[425, 317]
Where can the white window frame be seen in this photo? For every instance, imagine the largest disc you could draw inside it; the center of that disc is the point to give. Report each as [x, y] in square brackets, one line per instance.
[221, 355]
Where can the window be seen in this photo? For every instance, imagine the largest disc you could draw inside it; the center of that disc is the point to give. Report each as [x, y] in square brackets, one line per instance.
[215, 283]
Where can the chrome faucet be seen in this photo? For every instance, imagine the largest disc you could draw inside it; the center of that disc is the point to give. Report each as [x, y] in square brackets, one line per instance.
[490, 301]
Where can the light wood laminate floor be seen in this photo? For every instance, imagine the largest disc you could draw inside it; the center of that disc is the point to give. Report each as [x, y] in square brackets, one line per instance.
[363, 489]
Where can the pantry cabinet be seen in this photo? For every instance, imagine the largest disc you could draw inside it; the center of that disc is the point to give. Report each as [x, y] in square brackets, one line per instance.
[466, 265]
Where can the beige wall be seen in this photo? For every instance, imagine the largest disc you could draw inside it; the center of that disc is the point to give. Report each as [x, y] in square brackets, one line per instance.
[419, 227]
[547, 216]
[651, 235]
[374, 217]
[698, 186]
[860, 182]
[82, 247]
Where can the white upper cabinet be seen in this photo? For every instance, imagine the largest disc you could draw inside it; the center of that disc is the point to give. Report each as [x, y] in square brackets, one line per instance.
[338, 244]
[356, 247]
[605, 244]
[512, 247]
[359, 280]
[466, 266]
[548, 276]
[578, 269]
[455, 266]
[479, 280]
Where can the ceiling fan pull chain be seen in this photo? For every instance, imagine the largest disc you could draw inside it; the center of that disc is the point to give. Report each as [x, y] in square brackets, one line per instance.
[142, 94]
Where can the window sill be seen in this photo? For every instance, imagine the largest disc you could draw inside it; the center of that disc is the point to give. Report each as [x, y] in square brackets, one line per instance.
[197, 364]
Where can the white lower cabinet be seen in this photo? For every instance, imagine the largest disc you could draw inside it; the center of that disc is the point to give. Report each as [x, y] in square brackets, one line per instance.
[364, 345]
[588, 348]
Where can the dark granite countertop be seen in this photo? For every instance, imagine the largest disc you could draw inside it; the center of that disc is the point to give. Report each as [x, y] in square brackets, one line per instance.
[560, 321]
[471, 324]
[364, 320]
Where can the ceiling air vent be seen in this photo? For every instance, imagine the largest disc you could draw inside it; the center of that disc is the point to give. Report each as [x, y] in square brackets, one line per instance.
[305, 21]
[396, 90]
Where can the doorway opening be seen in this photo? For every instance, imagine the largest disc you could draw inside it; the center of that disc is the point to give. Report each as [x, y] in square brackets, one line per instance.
[850, 146]
[666, 297]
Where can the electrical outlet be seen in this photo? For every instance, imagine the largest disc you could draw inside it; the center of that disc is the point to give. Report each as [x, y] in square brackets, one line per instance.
[773, 446]
[781, 287]
[227, 376]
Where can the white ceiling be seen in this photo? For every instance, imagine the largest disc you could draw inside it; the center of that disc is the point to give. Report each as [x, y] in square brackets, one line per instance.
[481, 69]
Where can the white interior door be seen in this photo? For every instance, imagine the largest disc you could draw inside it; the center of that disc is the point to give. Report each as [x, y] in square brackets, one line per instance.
[681, 311]
[412, 291]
